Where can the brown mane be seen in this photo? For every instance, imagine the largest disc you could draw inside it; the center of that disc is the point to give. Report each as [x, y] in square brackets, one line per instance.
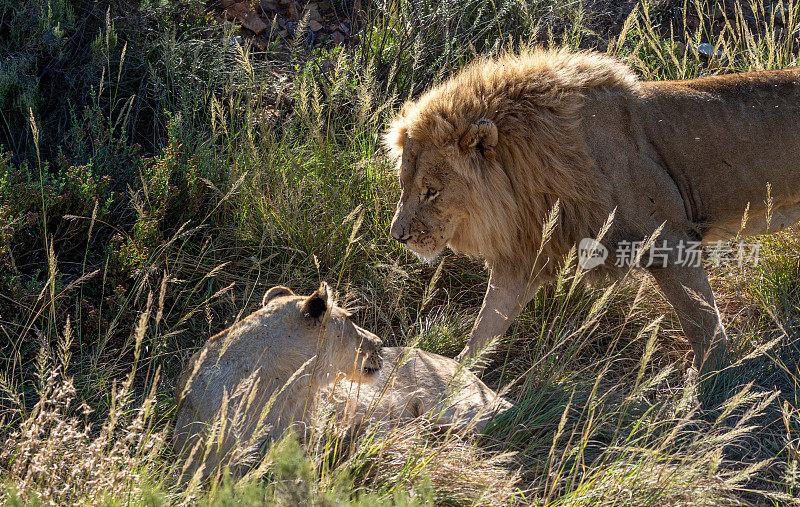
[533, 95]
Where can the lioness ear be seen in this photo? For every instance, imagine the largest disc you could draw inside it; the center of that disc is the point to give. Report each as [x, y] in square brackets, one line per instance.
[276, 292]
[481, 136]
[319, 303]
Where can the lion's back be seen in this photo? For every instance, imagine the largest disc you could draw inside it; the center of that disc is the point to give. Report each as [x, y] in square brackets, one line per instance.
[696, 153]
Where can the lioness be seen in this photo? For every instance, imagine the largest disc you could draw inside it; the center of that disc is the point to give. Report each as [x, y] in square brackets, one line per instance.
[415, 383]
[261, 375]
[484, 156]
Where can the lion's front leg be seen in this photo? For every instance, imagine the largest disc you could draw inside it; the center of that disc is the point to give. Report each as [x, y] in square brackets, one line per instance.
[506, 295]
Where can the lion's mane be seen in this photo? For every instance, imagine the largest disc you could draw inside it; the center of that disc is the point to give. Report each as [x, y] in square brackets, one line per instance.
[534, 100]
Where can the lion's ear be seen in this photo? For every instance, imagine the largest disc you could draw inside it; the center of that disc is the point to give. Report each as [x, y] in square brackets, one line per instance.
[318, 304]
[276, 292]
[481, 136]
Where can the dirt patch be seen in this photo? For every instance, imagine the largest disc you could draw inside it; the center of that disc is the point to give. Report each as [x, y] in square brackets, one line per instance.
[320, 22]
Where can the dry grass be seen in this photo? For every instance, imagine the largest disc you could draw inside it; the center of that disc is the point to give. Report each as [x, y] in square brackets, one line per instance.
[235, 205]
[55, 455]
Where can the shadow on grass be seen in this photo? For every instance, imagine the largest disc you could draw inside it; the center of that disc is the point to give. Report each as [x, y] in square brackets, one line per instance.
[579, 441]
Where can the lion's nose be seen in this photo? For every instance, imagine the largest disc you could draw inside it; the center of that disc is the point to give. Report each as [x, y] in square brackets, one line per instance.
[398, 232]
[377, 352]
[401, 237]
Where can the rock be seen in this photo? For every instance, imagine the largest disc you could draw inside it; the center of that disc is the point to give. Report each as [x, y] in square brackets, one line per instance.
[693, 22]
[269, 5]
[251, 21]
[226, 3]
[337, 37]
[313, 12]
[344, 28]
[324, 5]
[236, 39]
[292, 12]
[315, 26]
[236, 12]
[243, 13]
[707, 50]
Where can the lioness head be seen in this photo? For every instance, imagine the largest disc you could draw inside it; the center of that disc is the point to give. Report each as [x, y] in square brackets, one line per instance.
[438, 186]
[317, 326]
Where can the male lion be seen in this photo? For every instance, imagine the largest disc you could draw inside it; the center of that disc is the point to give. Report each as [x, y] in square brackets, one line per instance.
[414, 383]
[484, 156]
[261, 375]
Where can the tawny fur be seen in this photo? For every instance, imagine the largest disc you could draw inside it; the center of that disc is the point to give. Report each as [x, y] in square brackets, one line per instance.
[484, 156]
[535, 93]
[414, 383]
[261, 376]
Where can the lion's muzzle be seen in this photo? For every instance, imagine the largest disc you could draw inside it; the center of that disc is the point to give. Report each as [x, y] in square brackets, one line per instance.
[398, 231]
[372, 364]
[370, 353]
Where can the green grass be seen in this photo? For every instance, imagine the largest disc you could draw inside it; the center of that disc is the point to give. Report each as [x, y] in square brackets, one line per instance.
[174, 177]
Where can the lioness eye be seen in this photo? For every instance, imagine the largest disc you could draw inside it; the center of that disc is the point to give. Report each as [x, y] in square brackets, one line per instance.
[431, 193]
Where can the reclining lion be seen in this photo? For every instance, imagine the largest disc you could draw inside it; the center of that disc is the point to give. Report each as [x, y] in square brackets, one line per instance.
[267, 372]
[261, 376]
[485, 156]
[414, 383]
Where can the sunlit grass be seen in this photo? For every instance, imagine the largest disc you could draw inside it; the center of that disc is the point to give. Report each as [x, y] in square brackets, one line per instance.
[270, 184]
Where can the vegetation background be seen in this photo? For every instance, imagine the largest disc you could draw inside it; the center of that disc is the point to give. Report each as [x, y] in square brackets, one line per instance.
[161, 169]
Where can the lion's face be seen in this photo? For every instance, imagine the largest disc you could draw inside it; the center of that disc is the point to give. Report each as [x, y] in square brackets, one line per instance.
[355, 351]
[318, 326]
[431, 209]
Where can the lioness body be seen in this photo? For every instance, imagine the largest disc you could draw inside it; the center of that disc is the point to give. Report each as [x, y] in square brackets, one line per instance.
[415, 383]
[261, 375]
[486, 155]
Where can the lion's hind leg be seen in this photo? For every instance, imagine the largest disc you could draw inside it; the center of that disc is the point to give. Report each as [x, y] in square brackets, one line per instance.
[687, 289]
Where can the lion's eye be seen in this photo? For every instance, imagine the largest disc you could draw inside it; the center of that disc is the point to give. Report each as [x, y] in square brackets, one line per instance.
[431, 193]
